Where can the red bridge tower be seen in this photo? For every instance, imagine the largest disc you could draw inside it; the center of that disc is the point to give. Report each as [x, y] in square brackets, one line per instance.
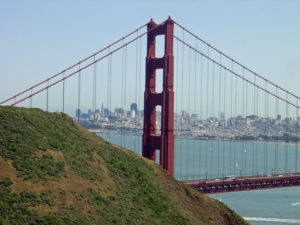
[165, 141]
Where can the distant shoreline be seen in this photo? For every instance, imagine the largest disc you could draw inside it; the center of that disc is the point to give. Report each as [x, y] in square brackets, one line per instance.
[195, 138]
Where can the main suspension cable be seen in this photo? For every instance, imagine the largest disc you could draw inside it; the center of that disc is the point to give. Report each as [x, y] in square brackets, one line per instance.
[82, 68]
[231, 59]
[236, 74]
[76, 64]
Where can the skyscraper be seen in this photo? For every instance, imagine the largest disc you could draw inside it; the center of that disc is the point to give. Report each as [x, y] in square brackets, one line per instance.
[133, 107]
[102, 110]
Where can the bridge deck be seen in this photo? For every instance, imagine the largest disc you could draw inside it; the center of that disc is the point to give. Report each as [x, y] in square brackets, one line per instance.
[230, 184]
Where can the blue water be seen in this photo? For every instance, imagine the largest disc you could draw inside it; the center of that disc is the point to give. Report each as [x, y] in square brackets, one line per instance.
[273, 206]
[196, 159]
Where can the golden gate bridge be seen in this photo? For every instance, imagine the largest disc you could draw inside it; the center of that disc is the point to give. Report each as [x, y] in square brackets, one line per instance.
[210, 121]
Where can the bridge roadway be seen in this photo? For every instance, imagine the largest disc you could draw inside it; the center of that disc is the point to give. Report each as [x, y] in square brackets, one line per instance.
[246, 183]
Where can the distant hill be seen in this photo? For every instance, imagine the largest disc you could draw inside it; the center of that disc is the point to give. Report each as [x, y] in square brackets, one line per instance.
[52, 171]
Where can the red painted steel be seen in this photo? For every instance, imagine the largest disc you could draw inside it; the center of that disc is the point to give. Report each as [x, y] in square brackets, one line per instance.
[212, 186]
[165, 141]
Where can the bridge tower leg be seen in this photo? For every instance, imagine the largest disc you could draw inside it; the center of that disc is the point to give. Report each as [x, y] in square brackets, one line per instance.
[165, 141]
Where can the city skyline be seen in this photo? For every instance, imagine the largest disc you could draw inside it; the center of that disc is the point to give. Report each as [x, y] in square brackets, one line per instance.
[183, 113]
[186, 125]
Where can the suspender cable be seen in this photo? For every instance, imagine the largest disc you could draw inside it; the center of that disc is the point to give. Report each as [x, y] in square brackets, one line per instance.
[140, 78]
[234, 126]
[176, 84]
[243, 125]
[256, 133]
[110, 93]
[287, 135]
[79, 87]
[47, 97]
[274, 136]
[296, 152]
[107, 98]
[189, 110]
[94, 88]
[201, 109]
[194, 118]
[265, 132]
[135, 92]
[246, 142]
[125, 89]
[276, 129]
[181, 118]
[176, 127]
[212, 124]
[253, 143]
[63, 102]
[206, 143]
[122, 97]
[219, 117]
[30, 99]
[231, 119]
[224, 119]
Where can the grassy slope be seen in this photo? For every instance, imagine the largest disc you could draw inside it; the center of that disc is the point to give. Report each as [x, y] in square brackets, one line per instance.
[54, 171]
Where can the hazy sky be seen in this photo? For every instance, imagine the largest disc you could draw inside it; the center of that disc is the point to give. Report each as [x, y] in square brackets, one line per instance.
[39, 37]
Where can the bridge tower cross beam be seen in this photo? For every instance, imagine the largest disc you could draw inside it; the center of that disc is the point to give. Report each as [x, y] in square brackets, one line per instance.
[165, 141]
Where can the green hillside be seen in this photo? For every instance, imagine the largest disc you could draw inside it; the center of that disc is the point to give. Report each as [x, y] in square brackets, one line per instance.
[52, 171]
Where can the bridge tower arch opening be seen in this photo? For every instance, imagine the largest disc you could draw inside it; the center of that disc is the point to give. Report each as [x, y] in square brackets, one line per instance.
[165, 141]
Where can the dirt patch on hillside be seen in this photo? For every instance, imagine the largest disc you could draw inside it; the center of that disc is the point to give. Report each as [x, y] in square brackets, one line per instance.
[7, 170]
[57, 155]
[69, 191]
